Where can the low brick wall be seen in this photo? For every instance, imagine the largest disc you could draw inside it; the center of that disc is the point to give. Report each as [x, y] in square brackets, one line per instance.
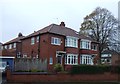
[59, 77]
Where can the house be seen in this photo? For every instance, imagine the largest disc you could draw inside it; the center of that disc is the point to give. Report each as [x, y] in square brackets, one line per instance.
[9, 51]
[59, 44]
[12, 47]
[110, 57]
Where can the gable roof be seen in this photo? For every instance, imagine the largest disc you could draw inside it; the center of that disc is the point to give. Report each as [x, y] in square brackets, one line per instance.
[14, 40]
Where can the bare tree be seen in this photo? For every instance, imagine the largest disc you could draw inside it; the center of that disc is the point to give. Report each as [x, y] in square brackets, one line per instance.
[101, 25]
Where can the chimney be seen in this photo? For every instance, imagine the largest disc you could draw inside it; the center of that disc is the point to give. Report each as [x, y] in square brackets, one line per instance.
[62, 24]
[20, 34]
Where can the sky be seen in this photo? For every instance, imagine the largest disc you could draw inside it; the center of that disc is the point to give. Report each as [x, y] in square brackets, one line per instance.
[27, 16]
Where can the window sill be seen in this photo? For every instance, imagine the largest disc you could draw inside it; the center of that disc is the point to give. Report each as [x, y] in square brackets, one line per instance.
[71, 64]
[70, 47]
[56, 44]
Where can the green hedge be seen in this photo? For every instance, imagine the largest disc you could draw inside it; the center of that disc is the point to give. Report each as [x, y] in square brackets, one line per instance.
[96, 69]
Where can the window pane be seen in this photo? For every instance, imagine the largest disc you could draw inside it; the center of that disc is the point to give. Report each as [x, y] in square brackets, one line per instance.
[56, 41]
[32, 40]
[51, 60]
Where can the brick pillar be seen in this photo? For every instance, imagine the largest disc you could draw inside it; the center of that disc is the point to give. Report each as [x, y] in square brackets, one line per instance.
[8, 74]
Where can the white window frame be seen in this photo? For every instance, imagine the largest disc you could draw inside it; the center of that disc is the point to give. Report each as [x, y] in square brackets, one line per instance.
[14, 45]
[50, 60]
[86, 59]
[37, 39]
[85, 44]
[32, 40]
[25, 56]
[10, 46]
[71, 41]
[94, 47]
[5, 46]
[55, 41]
[71, 59]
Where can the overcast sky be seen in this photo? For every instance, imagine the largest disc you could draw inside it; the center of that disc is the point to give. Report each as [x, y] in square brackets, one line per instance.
[27, 16]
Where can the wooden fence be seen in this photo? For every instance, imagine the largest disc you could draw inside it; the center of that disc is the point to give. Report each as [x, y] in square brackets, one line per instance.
[30, 64]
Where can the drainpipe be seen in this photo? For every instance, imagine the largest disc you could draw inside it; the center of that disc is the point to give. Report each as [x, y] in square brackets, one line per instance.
[39, 47]
[65, 51]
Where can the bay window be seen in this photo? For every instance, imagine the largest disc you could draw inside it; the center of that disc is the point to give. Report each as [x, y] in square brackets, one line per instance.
[85, 44]
[86, 59]
[71, 59]
[71, 41]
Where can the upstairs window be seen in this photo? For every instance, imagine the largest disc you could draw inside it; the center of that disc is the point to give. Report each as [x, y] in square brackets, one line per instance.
[32, 40]
[85, 44]
[37, 39]
[14, 45]
[55, 41]
[94, 47]
[10, 46]
[5, 46]
[71, 41]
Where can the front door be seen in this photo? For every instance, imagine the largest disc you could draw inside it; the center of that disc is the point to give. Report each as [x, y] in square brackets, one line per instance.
[59, 59]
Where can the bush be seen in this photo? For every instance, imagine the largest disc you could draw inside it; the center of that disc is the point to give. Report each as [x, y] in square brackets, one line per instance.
[89, 69]
[58, 68]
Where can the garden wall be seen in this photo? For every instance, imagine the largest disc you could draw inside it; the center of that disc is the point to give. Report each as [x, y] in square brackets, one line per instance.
[58, 77]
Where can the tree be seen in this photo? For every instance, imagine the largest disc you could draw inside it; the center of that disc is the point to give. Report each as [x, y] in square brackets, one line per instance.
[102, 26]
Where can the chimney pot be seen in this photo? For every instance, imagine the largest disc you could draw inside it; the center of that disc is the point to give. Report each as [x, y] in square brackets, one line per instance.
[20, 34]
[62, 24]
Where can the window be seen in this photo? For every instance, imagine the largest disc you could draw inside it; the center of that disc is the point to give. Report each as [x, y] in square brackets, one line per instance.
[18, 54]
[37, 56]
[24, 56]
[32, 40]
[71, 59]
[85, 44]
[106, 55]
[86, 59]
[37, 39]
[14, 45]
[5, 46]
[55, 41]
[71, 41]
[94, 47]
[51, 60]
[10, 46]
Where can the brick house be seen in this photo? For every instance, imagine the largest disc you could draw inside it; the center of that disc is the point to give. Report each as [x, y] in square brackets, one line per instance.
[12, 47]
[59, 44]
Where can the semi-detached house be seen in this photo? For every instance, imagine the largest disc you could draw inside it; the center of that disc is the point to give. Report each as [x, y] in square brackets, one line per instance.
[59, 44]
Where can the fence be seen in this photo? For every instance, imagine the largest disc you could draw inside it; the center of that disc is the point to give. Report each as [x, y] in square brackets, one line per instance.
[30, 64]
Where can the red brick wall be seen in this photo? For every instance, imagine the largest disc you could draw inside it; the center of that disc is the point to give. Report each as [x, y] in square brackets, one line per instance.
[60, 77]
[28, 49]
[115, 59]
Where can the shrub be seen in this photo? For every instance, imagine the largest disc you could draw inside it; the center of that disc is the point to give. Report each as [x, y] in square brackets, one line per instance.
[58, 68]
[89, 69]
